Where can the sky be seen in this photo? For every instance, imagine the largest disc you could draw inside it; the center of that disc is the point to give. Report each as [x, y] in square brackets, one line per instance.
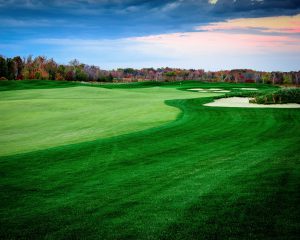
[202, 34]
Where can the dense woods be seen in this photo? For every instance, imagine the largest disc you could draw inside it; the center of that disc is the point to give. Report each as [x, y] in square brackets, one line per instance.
[42, 68]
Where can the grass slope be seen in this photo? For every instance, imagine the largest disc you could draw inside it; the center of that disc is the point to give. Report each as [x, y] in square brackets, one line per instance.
[215, 173]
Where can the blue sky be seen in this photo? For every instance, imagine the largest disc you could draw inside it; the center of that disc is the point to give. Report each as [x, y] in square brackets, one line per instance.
[209, 34]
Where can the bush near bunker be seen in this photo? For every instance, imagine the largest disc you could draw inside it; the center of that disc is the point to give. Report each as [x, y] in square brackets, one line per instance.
[289, 95]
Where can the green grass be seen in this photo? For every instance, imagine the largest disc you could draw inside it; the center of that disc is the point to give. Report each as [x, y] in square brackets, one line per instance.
[33, 119]
[34, 84]
[214, 173]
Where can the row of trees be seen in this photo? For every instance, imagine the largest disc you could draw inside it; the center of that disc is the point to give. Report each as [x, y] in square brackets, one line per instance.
[40, 67]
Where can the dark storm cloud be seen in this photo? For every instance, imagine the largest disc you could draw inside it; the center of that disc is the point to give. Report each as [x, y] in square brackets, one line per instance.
[124, 18]
[257, 8]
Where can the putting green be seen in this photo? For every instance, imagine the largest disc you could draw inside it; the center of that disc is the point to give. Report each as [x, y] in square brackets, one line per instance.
[34, 119]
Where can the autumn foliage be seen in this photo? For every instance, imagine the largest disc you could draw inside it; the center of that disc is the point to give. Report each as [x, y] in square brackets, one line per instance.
[41, 68]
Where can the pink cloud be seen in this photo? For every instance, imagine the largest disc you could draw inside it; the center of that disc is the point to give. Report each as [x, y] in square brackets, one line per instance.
[210, 49]
[281, 24]
[220, 42]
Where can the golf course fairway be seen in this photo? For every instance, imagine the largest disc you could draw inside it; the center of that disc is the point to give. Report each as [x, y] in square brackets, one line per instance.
[145, 162]
[33, 119]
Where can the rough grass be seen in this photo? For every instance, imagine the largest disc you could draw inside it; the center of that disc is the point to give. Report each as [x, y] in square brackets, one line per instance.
[214, 173]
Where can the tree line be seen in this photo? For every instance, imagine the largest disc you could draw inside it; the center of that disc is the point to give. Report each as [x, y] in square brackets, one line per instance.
[42, 68]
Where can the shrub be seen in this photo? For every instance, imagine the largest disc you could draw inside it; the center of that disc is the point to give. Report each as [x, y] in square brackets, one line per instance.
[59, 77]
[37, 75]
[289, 95]
[108, 78]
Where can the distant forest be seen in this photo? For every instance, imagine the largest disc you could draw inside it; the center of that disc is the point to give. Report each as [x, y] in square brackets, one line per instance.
[42, 68]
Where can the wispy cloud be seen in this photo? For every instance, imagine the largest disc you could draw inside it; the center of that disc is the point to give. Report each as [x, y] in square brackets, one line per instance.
[279, 24]
[213, 1]
[197, 43]
[205, 49]
[21, 23]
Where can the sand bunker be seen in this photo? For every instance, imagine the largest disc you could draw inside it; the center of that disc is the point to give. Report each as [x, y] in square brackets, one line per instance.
[247, 89]
[221, 91]
[244, 103]
[196, 89]
[216, 89]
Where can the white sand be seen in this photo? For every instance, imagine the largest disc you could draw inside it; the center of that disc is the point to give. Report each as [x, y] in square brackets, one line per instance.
[216, 89]
[196, 89]
[244, 103]
[248, 89]
[221, 91]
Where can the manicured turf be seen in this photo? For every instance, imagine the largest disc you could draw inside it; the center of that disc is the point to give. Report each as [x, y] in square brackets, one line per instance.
[214, 173]
[34, 119]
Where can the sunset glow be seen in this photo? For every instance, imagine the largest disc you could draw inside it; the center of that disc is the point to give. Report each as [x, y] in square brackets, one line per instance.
[280, 24]
[209, 34]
